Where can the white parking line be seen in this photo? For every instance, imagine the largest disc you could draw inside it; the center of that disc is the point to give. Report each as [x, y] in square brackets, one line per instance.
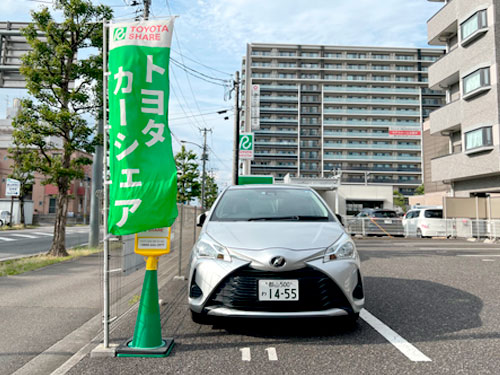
[23, 235]
[245, 354]
[6, 239]
[479, 255]
[400, 343]
[488, 260]
[271, 353]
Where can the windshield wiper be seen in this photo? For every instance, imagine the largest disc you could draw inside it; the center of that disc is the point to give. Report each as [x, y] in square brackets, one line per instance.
[294, 218]
[312, 218]
[290, 218]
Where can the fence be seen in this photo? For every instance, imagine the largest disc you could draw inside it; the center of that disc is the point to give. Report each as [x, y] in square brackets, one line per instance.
[126, 273]
[453, 228]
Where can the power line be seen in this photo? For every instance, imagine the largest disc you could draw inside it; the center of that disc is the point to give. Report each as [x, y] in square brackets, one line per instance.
[198, 72]
[205, 66]
[197, 76]
[219, 112]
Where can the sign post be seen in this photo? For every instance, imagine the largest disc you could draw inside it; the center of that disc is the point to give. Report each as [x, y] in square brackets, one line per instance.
[246, 146]
[12, 189]
[143, 186]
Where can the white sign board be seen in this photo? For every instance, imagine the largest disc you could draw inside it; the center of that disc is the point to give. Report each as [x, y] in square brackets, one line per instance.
[13, 188]
[246, 146]
[154, 239]
[255, 107]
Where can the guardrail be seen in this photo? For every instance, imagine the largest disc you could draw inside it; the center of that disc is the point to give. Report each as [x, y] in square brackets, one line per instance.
[448, 228]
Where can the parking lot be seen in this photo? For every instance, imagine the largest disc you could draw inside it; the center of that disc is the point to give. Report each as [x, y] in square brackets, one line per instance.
[432, 307]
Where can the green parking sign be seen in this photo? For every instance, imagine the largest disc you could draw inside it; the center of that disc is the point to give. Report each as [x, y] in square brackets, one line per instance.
[246, 146]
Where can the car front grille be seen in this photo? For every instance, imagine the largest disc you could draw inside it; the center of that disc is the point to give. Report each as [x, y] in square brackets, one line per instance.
[317, 291]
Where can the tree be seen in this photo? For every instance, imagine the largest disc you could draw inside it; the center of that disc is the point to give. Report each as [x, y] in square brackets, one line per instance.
[211, 191]
[22, 171]
[188, 185]
[420, 190]
[51, 126]
[399, 200]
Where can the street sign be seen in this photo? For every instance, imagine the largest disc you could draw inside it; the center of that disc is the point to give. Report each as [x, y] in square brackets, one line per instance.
[12, 188]
[255, 179]
[246, 146]
[255, 107]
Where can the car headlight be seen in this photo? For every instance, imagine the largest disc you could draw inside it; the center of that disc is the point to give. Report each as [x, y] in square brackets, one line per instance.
[344, 248]
[206, 247]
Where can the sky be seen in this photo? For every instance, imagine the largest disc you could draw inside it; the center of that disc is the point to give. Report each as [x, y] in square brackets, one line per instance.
[210, 36]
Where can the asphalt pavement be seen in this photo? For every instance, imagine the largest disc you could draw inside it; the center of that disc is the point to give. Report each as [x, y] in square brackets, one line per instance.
[432, 307]
[25, 242]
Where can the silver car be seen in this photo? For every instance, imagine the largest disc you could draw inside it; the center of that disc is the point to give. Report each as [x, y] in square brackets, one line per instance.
[273, 251]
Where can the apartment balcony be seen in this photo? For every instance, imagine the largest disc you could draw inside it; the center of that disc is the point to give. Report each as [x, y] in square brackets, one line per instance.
[388, 90]
[274, 155]
[382, 124]
[446, 118]
[372, 157]
[460, 166]
[278, 87]
[366, 135]
[278, 121]
[446, 71]
[277, 133]
[279, 99]
[382, 170]
[371, 112]
[257, 166]
[364, 146]
[442, 24]
[277, 144]
[372, 101]
[279, 110]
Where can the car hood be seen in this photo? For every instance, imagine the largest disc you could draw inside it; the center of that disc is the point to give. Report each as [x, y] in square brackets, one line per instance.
[271, 234]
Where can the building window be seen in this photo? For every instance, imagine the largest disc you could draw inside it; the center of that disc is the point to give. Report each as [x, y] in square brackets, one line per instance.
[478, 138]
[476, 82]
[52, 205]
[473, 25]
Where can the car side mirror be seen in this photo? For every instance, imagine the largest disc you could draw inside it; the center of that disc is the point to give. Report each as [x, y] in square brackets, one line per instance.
[201, 219]
[339, 218]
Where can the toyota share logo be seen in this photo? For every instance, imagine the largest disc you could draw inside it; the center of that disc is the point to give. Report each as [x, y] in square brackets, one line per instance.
[278, 262]
[119, 34]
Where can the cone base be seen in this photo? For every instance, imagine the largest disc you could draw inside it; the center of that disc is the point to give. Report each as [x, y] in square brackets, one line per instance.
[124, 350]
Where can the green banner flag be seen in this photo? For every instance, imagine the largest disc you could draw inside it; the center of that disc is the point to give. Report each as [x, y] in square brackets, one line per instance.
[143, 174]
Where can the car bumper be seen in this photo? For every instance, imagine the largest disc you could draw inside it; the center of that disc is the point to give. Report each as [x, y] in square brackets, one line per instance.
[207, 277]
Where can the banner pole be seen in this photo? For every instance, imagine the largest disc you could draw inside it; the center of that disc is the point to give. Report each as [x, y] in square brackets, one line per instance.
[106, 185]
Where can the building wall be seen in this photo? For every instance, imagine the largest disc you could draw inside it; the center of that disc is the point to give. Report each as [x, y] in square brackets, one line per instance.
[468, 170]
[433, 146]
[324, 108]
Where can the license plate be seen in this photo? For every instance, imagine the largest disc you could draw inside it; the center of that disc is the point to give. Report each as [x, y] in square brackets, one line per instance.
[278, 290]
[387, 221]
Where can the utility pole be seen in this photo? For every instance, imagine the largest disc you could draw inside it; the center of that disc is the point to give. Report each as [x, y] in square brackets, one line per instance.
[236, 159]
[147, 3]
[204, 158]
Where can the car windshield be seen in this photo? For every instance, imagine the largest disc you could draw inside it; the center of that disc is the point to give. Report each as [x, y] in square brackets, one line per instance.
[384, 214]
[266, 204]
[433, 214]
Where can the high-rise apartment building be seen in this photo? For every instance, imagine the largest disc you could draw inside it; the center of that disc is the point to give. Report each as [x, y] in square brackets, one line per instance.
[325, 108]
[469, 29]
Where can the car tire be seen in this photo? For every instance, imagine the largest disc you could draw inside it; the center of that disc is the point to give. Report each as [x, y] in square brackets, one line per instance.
[1, 223]
[351, 320]
[419, 233]
[199, 318]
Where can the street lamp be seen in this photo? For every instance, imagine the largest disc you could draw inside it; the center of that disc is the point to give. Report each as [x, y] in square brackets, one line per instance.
[203, 174]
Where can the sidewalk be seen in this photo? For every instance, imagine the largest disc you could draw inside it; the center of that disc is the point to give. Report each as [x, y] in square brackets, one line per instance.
[41, 307]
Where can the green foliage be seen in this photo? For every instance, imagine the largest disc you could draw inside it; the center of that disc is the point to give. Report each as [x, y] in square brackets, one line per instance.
[49, 129]
[420, 190]
[399, 200]
[188, 185]
[211, 191]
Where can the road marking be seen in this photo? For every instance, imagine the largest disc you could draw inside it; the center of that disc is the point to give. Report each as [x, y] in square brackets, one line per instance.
[400, 343]
[245, 354]
[23, 235]
[6, 239]
[479, 255]
[488, 260]
[43, 233]
[271, 353]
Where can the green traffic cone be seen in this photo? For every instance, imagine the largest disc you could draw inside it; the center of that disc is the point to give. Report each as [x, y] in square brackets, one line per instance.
[147, 334]
[147, 340]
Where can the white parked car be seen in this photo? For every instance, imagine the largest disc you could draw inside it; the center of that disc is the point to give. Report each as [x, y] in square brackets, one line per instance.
[424, 222]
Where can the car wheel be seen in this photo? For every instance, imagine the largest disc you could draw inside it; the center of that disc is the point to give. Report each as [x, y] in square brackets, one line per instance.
[199, 318]
[419, 233]
[351, 320]
[1, 223]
